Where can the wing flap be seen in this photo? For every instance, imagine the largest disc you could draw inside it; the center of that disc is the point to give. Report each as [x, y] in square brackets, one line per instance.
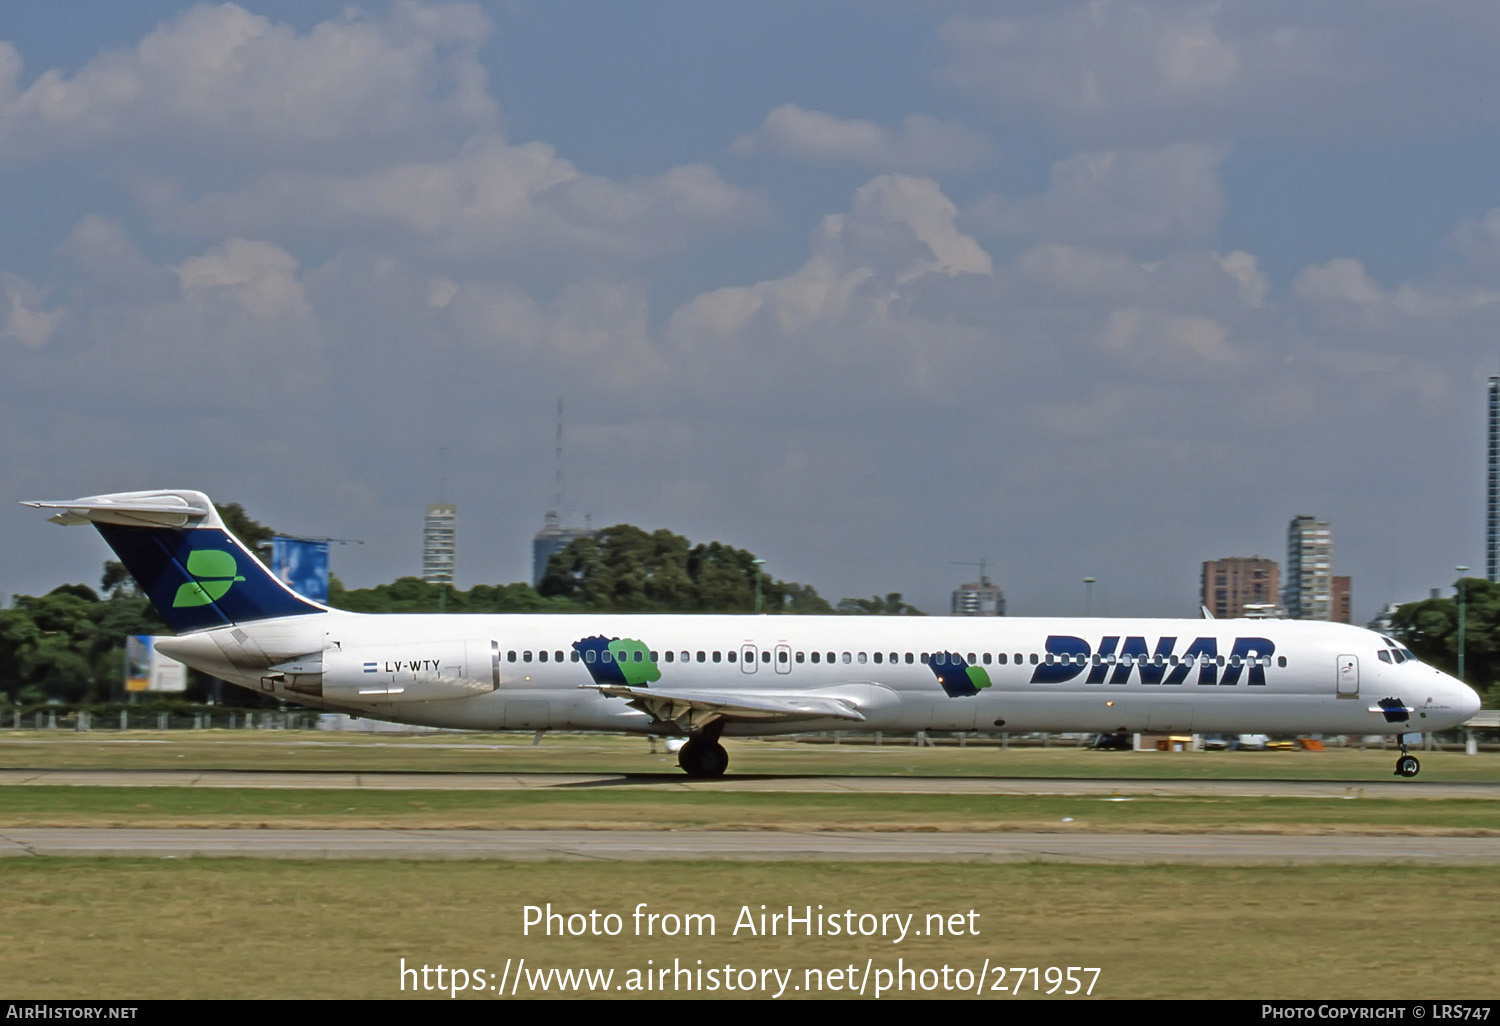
[693, 709]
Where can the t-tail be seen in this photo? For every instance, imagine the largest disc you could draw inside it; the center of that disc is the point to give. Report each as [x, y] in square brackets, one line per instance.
[194, 571]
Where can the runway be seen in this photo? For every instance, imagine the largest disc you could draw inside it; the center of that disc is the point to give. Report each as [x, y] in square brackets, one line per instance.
[760, 846]
[781, 784]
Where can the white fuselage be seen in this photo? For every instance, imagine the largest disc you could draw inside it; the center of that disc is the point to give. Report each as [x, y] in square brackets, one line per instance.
[889, 673]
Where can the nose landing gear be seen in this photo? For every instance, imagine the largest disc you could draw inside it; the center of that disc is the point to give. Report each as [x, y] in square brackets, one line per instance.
[1407, 765]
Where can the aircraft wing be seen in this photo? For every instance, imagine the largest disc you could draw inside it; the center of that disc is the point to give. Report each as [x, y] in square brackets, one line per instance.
[693, 709]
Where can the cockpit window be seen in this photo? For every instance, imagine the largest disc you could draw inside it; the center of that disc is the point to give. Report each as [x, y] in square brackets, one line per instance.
[1384, 656]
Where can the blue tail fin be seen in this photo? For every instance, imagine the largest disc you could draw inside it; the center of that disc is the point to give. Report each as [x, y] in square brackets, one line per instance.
[193, 570]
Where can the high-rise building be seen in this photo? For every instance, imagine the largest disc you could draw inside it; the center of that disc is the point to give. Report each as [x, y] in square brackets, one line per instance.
[439, 543]
[979, 598]
[1240, 586]
[1342, 606]
[550, 540]
[1492, 507]
[553, 537]
[1308, 591]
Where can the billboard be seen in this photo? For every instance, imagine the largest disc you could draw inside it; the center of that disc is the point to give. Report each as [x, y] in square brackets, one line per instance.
[302, 565]
[146, 669]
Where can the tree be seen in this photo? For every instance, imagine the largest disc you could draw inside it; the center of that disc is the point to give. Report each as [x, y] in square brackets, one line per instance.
[253, 535]
[625, 569]
[1430, 629]
[891, 605]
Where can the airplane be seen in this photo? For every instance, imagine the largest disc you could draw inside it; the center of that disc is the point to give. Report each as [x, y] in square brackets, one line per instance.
[700, 678]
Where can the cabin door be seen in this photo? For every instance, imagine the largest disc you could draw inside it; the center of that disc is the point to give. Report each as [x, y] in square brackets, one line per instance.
[1348, 681]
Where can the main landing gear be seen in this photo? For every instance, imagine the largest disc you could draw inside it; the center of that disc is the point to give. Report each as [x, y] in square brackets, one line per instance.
[1407, 765]
[703, 756]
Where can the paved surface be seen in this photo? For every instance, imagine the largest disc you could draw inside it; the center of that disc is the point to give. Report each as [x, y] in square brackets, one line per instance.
[630, 845]
[1392, 788]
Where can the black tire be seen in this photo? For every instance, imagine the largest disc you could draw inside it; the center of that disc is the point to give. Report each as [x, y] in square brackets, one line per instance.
[701, 758]
[716, 760]
[1408, 766]
[690, 757]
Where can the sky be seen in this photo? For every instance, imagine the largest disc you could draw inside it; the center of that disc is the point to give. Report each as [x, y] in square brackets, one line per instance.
[876, 289]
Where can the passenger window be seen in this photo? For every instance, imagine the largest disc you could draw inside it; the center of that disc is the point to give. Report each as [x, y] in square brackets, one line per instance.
[817, 656]
[799, 656]
[1001, 658]
[589, 656]
[910, 659]
[926, 659]
[1281, 661]
[1034, 659]
[559, 656]
[542, 656]
[781, 657]
[669, 656]
[831, 657]
[940, 659]
[606, 656]
[862, 657]
[573, 656]
[765, 657]
[877, 657]
[510, 656]
[686, 658]
[702, 657]
[716, 655]
[731, 655]
[848, 658]
[971, 659]
[526, 656]
[986, 659]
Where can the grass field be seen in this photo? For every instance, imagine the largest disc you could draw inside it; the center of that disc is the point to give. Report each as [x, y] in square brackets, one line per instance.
[594, 753]
[281, 928]
[122, 928]
[648, 808]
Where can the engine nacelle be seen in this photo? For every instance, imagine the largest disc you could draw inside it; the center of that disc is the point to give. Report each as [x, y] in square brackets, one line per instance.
[433, 671]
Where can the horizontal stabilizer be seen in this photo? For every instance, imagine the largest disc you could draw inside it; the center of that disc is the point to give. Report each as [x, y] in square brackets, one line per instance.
[131, 509]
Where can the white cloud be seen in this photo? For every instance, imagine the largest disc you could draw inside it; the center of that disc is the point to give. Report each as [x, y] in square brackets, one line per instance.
[1245, 270]
[595, 332]
[222, 77]
[22, 317]
[257, 277]
[1211, 284]
[1158, 336]
[921, 143]
[903, 224]
[1168, 192]
[1083, 271]
[491, 197]
[1110, 65]
[1342, 289]
[853, 300]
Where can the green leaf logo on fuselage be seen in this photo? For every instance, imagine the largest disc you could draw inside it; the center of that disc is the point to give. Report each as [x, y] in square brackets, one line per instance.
[214, 573]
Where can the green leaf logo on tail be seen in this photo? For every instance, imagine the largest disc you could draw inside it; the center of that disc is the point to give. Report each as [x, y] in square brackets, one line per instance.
[214, 573]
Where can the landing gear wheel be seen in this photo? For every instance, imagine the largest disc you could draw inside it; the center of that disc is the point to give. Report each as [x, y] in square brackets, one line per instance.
[701, 757]
[1408, 766]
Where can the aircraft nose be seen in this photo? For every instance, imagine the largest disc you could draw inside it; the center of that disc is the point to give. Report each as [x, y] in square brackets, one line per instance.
[1468, 700]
